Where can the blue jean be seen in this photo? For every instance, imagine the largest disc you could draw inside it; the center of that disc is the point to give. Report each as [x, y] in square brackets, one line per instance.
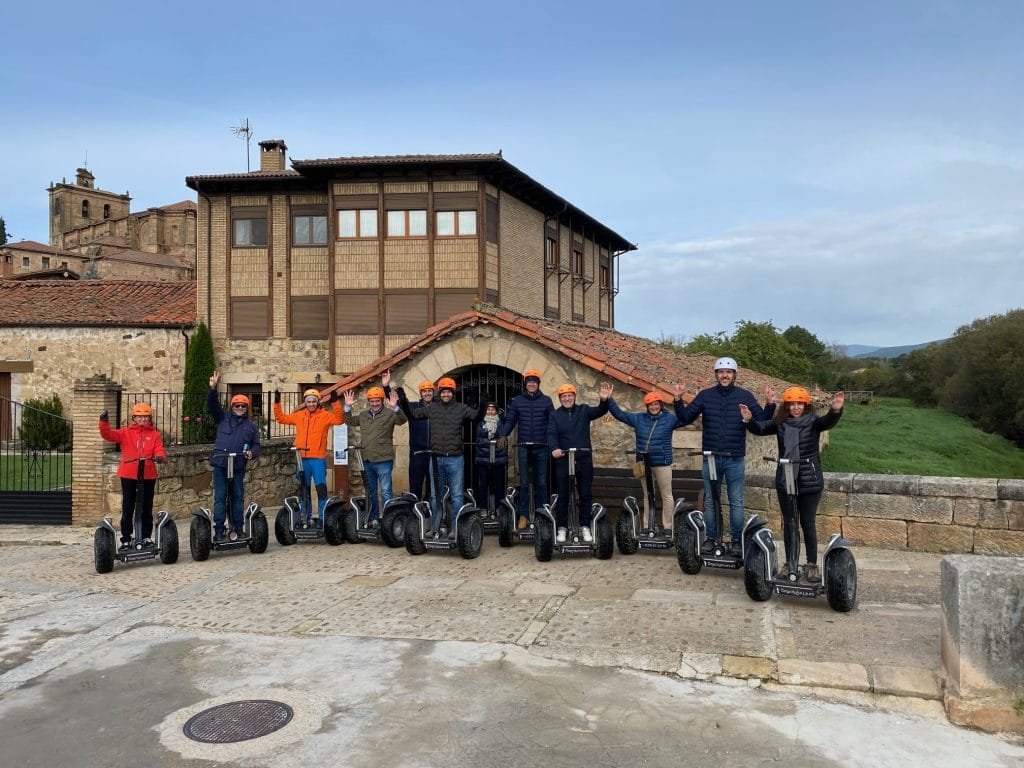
[377, 472]
[451, 471]
[538, 478]
[731, 470]
[315, 470]
[220, 499]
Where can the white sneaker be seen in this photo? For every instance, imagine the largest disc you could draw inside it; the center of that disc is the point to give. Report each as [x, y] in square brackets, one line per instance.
[587, 537]
[560, 536]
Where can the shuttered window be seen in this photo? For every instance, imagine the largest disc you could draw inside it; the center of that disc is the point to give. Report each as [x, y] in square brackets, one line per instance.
[452, 302]
[355, 312]
[249, 318]
[491, 219]
[309, 317]
[405, 313]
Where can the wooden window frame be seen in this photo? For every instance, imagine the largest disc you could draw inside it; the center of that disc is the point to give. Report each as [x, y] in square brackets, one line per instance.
[358, 213]
[579, 264]
[550, 252]
[605, 276]
[405, 234]
[311, 215]
[237, 301]
[370, 299]
[250, 243]
[456, 226]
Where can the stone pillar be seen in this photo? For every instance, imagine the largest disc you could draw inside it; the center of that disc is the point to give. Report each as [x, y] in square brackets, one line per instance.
[88, 497]
[983, 641]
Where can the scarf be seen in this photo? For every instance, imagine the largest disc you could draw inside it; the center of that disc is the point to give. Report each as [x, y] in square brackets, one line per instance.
[491, 425]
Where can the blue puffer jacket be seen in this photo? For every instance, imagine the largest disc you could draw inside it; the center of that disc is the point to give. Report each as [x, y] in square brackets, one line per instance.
[723, 426]
[530, 413]
[483, 447]
[658, 429]
[570, 427]
[419, 431]
[235, 434]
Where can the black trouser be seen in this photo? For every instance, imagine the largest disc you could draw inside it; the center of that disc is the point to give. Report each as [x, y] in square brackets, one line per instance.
[490, 478]
[584, 479]
[128, 507]
[806, 511]
[419, 469]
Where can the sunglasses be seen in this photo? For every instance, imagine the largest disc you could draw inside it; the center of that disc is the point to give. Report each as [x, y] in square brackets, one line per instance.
[240, 405]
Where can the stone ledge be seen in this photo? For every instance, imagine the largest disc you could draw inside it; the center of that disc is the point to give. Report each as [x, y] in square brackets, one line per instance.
[824, 674]
[905, 681]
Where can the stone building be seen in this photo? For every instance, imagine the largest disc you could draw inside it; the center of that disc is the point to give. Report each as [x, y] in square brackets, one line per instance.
[54, 332]
[330, 264]
[27, 259]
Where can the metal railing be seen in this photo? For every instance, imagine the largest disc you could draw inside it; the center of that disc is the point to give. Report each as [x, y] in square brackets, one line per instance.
[35, 452]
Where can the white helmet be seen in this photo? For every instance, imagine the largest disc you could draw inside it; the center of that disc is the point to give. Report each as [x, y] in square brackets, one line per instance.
[726, 364]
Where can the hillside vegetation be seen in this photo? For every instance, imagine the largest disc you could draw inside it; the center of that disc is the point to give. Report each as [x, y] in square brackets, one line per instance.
[892, 436]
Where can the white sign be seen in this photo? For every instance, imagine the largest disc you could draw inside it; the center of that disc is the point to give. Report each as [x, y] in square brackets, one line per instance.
[340, 443]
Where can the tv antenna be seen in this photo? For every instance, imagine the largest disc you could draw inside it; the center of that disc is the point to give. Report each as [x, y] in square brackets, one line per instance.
[244, 131]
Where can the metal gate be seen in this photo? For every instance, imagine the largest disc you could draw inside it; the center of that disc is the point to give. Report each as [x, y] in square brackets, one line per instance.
[35, 466]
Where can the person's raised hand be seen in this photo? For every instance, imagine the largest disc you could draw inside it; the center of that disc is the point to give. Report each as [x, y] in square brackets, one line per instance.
[745, 413]
[214, 379]
[837, 401]
[350, 398]
[277, 395]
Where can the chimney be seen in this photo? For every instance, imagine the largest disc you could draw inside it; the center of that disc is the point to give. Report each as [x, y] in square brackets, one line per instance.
[84, 178]
[272, 155]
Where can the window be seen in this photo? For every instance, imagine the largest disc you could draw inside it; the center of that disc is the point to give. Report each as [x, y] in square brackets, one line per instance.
[356, 313]
[249, 318]
[106, 210]
[309, 229]
[405, 313]
[309, 317]
[249, 233]
[407, 223]
[63, 265]
[25, 262]
[85, 209]
[361, 223]
[577, 262]
[46, 262]
[605, 283]
[550, 252]
[456, 224]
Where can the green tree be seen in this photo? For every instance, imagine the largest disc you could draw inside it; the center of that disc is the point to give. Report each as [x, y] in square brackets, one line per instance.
[3, 231]
[760, 346]
[199, 366]
[706, 344]
[43, 426]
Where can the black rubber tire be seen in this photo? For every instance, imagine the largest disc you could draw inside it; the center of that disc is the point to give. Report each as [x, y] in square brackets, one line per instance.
[334, 526]
[470, 536]
[103, 550]
[841, 580]
[604, 538]
[282, 532]
[413, 543]
[543, 539]
[392, 526]
[200, 538]
[169, 543]
[759, 589]
[686, 547]
[506, 526]
[259, 533]
[349, 524]
[628, 543]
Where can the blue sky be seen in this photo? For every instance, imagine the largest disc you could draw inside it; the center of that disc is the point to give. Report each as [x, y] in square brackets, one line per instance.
[853, 168]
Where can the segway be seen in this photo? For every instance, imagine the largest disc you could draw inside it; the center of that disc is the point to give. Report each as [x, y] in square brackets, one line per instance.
[545, 543]
[290, 523]
[508, 530]
[630, 533]
[838, 567]
[355, 516]
[164, 544]
[694, 550]
[490, 512]
[438, 530]
[255, 533]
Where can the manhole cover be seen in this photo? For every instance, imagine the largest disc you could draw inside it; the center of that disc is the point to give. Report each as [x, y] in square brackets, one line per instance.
[238, 721]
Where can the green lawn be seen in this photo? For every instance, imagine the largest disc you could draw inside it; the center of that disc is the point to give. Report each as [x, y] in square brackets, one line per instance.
[891, 436]
[19, 472]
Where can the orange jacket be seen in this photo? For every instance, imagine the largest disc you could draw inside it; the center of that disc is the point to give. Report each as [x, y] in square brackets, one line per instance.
[311, 428]
[136, 440]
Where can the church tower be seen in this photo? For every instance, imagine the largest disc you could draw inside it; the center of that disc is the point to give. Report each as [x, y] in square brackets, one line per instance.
[81, 204]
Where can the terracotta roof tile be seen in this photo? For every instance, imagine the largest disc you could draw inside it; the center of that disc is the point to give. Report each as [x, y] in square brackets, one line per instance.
[34, 247]
[98, 303]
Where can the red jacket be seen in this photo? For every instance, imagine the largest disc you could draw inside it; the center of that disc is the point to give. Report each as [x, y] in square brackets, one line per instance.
[136, 440]
[311, 428]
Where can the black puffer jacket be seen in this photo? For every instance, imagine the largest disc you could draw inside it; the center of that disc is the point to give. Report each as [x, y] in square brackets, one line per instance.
[798, 439]
[445, 421]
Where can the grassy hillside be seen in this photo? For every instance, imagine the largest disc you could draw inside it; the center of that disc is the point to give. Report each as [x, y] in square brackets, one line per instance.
[892, 436]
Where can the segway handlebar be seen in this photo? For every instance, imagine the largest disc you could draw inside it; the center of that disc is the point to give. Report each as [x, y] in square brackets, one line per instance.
[787, 470]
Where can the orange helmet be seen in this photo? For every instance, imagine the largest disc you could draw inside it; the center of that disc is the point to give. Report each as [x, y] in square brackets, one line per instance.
[653, 397]
[533, 373]
[142, 409]
[796, 395]
[446, 383]
[243, 399]
[311, 393]
[375, 392]
[566, 389]
[426, 385]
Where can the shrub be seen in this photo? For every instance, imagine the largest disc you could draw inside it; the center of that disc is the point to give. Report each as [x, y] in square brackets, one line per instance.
[43, 426]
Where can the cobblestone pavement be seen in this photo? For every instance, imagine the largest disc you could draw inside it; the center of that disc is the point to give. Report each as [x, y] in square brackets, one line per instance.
[577, 660]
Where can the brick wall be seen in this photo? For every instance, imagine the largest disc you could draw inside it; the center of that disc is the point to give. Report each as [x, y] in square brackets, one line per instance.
[522, 256]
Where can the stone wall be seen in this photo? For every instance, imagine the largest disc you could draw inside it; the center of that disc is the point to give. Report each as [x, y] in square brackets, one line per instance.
[926, 514]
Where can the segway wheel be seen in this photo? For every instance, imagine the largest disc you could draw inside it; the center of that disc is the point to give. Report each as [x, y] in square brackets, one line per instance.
[169, 543]
[199, 538]
[259, 533]
[413, 542]
[470, 536]
[759, 589]
[686, 547]
[282, 532]
[349, 521]
[392, 526]
[506, 527]
[604, 538]
[841, 580]
[103, 550]
[544, 539]
[334, 526]
[628, 543]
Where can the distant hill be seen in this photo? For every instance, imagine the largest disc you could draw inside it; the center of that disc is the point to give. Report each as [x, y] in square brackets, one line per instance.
[860, 350]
